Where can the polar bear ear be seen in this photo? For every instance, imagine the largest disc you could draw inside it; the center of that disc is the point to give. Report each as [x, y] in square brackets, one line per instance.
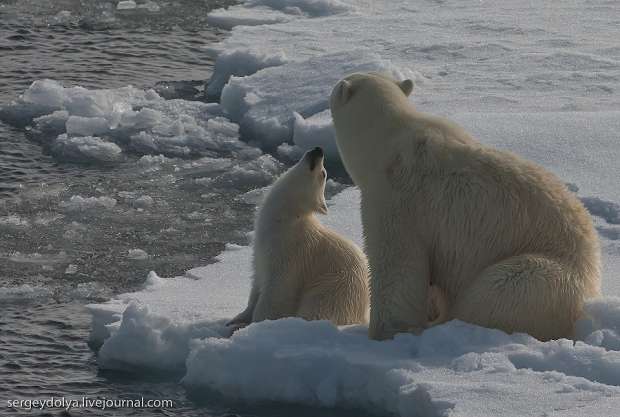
[406, 86]
[344, 91]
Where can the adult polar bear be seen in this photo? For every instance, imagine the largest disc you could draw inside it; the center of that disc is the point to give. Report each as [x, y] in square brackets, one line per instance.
[301, 268]
[509, 246]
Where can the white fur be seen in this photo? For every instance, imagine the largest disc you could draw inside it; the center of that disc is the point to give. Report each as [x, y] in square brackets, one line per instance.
[301, 268]
[508, 245]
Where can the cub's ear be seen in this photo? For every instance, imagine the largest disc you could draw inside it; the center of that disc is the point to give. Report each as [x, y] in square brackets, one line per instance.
[406, 86]
[344, 91]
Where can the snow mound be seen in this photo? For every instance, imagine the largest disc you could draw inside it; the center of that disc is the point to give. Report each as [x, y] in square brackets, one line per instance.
[451, 370]
[264, 104]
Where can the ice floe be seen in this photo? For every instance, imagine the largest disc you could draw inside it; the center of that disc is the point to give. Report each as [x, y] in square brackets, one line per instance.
[456, 369]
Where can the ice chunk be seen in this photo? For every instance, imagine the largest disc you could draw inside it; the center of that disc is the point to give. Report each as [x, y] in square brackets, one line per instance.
[313, 8]
[23, 292]
[146, 341]
[608, 210]
[126, 5]
[85, 149]
[258, 172]
[240, 62]
[289, 153]
[71, 269]
[89, 291]
[137, 254]
[246, 16]
[143, 202]
[79, 203]
[148, 161]
[46, 93]
[254, 196]
[52, 124]
[14, 220]
[86, 126]
[151, 6]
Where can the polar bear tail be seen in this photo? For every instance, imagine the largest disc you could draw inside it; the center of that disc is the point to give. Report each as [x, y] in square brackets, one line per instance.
[527, 293]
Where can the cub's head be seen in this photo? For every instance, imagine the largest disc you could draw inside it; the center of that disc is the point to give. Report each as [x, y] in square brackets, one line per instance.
[301, 190]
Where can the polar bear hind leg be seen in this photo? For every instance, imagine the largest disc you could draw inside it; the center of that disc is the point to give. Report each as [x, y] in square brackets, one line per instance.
[333, 298]
[527, 293]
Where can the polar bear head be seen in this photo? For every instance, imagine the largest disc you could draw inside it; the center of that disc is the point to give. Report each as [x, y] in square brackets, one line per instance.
[300, 191]
[366, 109]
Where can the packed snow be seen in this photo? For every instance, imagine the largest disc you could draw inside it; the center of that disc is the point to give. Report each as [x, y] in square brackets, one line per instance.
[512, 75]
[177, 325]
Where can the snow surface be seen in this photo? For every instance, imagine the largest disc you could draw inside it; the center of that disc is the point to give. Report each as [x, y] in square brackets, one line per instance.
[455, 369]
[534, 78]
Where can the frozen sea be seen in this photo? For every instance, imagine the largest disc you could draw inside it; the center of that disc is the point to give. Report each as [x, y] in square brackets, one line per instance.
[116, 160]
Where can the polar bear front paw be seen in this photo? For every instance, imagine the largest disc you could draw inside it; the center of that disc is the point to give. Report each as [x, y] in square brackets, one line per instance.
[383, 332]
[386, 332]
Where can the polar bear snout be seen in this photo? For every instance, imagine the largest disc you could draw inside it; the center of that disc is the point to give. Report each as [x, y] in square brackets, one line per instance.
[314, 157]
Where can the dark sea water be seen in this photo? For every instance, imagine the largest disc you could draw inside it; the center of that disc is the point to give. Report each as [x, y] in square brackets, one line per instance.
[53, 262]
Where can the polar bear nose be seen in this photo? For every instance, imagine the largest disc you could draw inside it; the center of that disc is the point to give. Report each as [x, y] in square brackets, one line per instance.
[313, 156]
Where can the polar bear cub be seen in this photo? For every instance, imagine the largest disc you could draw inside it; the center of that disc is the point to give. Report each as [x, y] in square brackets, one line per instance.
[301, 268]
[508, 245]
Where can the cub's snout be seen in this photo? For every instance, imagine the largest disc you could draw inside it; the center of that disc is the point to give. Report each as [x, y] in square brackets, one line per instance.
[314, 156]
